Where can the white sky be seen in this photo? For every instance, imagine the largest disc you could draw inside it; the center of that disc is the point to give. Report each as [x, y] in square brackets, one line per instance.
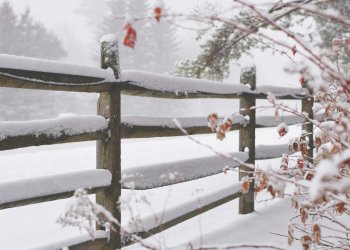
[59, 16]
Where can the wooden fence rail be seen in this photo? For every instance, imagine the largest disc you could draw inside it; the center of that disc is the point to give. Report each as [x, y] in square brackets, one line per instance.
[111, 127]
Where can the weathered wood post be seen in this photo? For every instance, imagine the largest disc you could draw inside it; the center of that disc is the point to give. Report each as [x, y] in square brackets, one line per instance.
[108, 151]
[306, 106]
[247, 136]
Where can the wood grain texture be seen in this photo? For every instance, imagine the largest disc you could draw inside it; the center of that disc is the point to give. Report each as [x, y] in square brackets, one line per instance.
[307, 108]
[247, 139]
[108, 152]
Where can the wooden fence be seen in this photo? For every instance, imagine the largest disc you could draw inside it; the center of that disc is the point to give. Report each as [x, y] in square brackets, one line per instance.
[112, 128]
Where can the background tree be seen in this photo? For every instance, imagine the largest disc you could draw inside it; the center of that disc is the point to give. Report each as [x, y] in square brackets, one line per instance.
[25, 37]
[213, 62]
[8, 25]
[330, 30]
[163, 45]
[223, 42]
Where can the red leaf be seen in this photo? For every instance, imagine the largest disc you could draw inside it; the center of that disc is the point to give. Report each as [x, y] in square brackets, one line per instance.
[220, 135]
[213, 117]
[300, 163]
[303, 215]
[130, 36]
[294, 50]
[212, 121]
[272, 191]
[245, 182]
[302, 81]
[284, 162]
[282, 129]
[306, 242]
[157, 13]
[340, 208]
[317, 234]
[336, 44]
[309, 176]
[226, 126]
[290, 235]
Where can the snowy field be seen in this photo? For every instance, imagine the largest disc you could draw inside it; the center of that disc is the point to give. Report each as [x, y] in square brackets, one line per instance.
[36, 224]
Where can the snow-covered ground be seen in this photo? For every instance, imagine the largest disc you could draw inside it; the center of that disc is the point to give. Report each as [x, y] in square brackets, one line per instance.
[35, 227]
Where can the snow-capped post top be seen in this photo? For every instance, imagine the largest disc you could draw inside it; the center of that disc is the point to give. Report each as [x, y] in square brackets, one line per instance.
[248, 76]
[109, 38]
[109, 54]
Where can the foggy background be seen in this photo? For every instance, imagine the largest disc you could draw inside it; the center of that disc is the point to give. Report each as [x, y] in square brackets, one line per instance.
[77, 24]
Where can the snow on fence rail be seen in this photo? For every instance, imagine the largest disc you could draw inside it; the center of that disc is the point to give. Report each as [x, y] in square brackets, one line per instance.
[149, 84]
[146, 126]
[109, 127]
[76, 128]
[33, 73]
[52, 131]
[52, 187]
[162, 174]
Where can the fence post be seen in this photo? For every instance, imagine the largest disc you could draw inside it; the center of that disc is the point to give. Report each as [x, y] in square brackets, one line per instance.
[108, 151]
[247, 136]
[306, 106]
